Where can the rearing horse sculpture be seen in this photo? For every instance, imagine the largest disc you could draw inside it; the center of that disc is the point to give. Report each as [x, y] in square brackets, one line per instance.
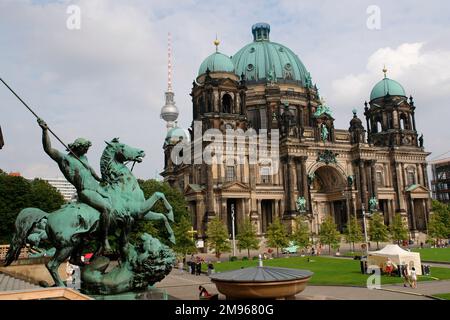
[68, 228]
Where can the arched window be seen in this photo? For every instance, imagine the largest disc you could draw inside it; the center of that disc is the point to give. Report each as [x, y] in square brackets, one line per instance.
[411, 176]
[379, 126]
[227, 103]
[404, 125]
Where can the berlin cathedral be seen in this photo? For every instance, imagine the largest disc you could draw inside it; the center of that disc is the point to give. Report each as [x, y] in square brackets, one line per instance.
[377, 164]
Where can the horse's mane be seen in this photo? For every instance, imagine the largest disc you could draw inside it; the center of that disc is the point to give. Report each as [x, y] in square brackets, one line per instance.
[109, 175]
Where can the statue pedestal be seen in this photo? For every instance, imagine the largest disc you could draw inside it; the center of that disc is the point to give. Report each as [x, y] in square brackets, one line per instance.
[149, 294]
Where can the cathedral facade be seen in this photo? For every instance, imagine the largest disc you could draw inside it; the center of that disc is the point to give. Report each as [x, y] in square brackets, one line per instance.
[378, 164]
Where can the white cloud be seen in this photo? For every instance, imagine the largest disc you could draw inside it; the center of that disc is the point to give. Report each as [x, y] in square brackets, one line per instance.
[423, 72]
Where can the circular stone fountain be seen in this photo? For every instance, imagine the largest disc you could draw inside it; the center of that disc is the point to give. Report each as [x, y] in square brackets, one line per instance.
[262, 282]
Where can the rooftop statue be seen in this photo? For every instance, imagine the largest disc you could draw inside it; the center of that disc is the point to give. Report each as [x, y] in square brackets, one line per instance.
[323, 109]
[301, 204]
[115, 200]
[324, 133]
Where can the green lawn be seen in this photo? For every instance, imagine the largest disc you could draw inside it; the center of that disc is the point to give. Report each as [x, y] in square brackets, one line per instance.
[328, 271]
[434, 254]
[445, 296]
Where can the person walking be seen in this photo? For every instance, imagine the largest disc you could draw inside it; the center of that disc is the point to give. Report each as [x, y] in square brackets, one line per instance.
[413, 278]
[405, 275]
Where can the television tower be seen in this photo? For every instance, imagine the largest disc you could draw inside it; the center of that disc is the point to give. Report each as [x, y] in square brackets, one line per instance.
[169, 111]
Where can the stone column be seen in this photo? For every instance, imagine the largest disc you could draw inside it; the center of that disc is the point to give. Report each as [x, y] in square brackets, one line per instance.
[420, 175]
[277, 209]
[425, 176]
[374, 178]
[363, 183]
[224, 211]
[391, 211]
[413, 216]
[291, 186]
[210, 193]
[424, 205]
[399, 187]
[304, 182]
[200, 212]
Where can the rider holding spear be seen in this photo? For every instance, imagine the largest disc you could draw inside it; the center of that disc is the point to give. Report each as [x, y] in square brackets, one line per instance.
[76, 169]
[78, 172]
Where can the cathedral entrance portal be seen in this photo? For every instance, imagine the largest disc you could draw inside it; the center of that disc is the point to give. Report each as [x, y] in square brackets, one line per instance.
[266, 214]
[329, 196]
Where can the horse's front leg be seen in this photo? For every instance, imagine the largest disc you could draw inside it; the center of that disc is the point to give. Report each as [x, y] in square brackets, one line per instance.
[150, 202]
[155, 216]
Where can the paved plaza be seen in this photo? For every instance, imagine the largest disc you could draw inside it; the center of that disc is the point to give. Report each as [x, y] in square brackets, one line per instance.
[184, 286]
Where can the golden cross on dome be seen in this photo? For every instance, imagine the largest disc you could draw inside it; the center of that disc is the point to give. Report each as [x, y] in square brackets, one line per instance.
[216, 43]
[385, 71]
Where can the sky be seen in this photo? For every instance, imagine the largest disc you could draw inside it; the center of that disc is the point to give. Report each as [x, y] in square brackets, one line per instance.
[107, 78]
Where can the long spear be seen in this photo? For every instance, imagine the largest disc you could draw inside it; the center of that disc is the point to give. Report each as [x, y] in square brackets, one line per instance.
[37, 117]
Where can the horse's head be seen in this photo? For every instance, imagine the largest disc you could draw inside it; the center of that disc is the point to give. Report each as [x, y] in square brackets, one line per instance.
[123, 152]
[119, 153]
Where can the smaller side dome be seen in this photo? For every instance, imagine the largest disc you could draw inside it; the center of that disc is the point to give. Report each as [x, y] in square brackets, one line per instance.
[176, 135]
[385, 87]
[217, 62]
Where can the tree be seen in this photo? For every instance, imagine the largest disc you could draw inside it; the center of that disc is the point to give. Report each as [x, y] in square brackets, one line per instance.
[378, 232]
[277, 236]
[398, 230]
[247, 237]
[217, 234]
[328, 233]
[436, 230]
[442, 213]
[353, 232]
[17, 193]
[184, 242]
[300, 236]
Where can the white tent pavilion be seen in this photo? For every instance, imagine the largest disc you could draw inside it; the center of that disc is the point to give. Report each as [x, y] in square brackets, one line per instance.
[397, 256]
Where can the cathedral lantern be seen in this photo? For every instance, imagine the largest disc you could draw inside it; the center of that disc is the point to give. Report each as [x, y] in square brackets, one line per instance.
[390, 116]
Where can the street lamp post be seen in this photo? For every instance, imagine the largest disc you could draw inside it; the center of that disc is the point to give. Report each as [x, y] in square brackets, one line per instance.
[233, 235]
[365, 230]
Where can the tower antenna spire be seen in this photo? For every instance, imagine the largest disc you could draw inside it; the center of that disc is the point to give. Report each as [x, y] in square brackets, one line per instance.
[385, 70]
[169, 111]
[169, 63]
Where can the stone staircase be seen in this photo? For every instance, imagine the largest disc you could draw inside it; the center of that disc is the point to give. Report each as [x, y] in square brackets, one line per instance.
[8, 283]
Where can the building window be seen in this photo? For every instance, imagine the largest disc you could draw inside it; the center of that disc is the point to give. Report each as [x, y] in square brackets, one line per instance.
[266, 177]
[227, 103]
[380, 181]
[230, 174]
[411, 178]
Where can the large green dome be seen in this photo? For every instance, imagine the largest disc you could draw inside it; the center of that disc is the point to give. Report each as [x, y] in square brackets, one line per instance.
[217, 62]
[385, 87]
[264, 61]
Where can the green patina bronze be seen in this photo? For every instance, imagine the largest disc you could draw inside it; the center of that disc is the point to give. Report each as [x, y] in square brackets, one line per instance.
[146, 263]
[301, 204]
[323, 109]
[327, 157]
[114, 201]
[324, 133]
[373, 204]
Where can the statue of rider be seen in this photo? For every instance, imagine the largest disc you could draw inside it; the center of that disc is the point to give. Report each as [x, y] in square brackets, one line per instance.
[83, 177]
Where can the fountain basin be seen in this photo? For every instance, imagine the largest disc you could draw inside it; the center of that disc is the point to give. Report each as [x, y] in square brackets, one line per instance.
[262, 283]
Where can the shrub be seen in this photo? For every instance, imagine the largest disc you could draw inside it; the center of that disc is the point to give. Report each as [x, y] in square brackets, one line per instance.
[245, 258]
[233, 258]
